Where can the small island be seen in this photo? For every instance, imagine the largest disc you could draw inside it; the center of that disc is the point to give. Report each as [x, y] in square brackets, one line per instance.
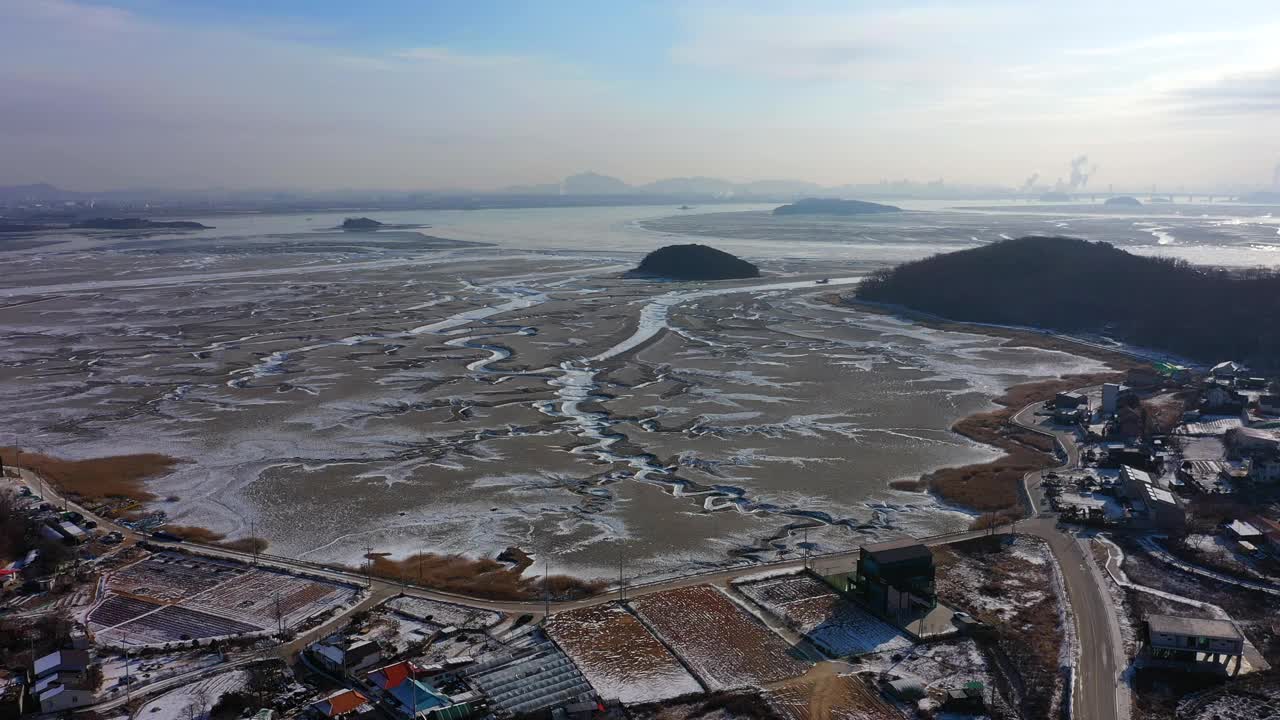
[105, 223]
[831, 206]
[1076, 286]
[694, 262]
[1123, 201]
[361, 223]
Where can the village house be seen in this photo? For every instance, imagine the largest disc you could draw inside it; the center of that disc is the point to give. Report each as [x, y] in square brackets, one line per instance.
[1243, 531]
[344, 704]
[1159, 506]
[1228, 371]
[406, 694]
[1212, 477]
[1114, 396]
[59, 680]
[1193, 643]
[1270, 532]
[1222, 400]
[896, 578]
[345, 657]
[1252, 441]
[1070, 401]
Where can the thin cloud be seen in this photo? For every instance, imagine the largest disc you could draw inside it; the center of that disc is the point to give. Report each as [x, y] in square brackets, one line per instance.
[1240, 94]
[447, 56]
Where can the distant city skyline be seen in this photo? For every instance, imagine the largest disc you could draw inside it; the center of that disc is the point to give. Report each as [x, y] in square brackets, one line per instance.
[317, 95]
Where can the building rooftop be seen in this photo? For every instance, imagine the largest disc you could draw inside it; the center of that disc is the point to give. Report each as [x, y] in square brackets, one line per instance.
[898, 550]
[342, 702]
[1135, 474]
[1244, 529]
[1195, 627]
[61, 660]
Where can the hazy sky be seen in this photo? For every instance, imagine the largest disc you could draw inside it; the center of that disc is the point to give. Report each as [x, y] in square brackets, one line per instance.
[434, 94]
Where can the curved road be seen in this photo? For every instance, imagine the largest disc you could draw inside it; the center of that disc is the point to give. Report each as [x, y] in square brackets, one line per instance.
[1100, 692]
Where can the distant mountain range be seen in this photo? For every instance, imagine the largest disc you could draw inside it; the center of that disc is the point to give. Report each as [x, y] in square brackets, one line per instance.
[587, 188]
[591, 183]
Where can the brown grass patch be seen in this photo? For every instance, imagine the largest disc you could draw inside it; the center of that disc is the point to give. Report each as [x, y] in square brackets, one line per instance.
[95, 479]
[1028, 636]
[246, 544]
[994, 486]
[479, 577]
[201, 535]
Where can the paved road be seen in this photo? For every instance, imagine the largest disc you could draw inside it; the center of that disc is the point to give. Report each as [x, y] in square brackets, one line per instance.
[1099, 691]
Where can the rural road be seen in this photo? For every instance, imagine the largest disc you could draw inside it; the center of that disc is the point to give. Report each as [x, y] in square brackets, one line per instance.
[1099, 691]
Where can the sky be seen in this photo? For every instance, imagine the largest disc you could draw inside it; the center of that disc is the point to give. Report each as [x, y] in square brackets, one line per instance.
[420, 95]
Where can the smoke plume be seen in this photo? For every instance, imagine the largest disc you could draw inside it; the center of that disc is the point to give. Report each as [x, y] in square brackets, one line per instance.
[1080, 178]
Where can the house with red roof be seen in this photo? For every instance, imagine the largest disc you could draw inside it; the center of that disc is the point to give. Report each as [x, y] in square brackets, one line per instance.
[344, 704]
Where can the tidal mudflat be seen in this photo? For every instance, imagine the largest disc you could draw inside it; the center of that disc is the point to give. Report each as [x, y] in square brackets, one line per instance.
[404, 393]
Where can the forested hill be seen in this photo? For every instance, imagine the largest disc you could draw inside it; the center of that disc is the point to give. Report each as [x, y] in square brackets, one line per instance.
[1208, 314]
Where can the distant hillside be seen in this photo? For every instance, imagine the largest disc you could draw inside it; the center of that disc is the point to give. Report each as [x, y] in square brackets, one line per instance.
[1077, 286]
[360, 223]
[133, 223]
[590, 183]
[827, 206]
[694, 262]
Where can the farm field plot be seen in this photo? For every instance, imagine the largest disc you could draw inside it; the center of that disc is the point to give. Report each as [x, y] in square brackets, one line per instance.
[169, 577]
[253, 598]
[445, 614]
[117, 609]
[621, 659]
[831, 697]
[723, 643]
[838, 626]
[176, 624]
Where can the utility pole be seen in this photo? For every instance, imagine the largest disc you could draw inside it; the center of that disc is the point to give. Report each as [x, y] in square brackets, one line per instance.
[368, 566]
[422, 556]
[253, 540]
[546, 589]
[806, 547]
[128, 687]
[622, 595]
[413, 683]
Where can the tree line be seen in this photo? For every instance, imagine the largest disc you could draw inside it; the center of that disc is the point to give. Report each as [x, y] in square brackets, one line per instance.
[1207, 314]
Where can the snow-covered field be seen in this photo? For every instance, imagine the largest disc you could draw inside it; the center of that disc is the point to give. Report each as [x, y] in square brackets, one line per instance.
[169, 597]
[724, 645]
[445, 614]
[838, 697]
[621, 659]
[193, 702]
[146, 670]
[947, 664]
[838, 626]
